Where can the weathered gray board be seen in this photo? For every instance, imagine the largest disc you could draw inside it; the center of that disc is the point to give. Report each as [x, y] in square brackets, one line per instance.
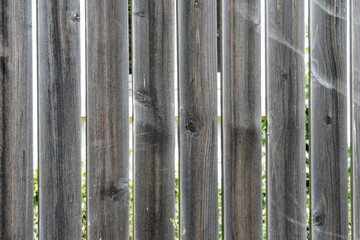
[355, 117]
[241, 119]
[107, 68]
[16, 159]
[285, 108]
[197, 55]
[328, 130]
[59, 119]
[153, 51]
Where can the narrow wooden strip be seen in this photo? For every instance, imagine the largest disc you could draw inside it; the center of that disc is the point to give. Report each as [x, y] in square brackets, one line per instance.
[197, 54]
[107, 119]
[328, 111]
[153, 49]
[241, 119]
[59, 119]
[285, 113]
[355, 118]
[16, 156]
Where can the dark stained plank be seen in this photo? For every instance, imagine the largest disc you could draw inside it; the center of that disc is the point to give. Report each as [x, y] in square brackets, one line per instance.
[197, 54]
[16, 135]
[355, 118]
[107, 119]
[59, 119]
[328, 120]
[153, 49]
[241, 119]
[285, 114]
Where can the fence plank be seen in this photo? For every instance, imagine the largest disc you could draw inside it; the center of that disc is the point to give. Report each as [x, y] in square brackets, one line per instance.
[328, 131]
[16, 159]
[153, 32]
[285, 107]
[198, 119]
[241, 119]
[59, 120]
[107, 119]
[355, 118]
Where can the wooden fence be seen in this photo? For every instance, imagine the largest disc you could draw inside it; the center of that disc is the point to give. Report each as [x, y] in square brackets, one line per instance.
[154, 27]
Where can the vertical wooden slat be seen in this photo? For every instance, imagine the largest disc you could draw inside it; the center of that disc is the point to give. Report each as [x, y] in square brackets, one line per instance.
[59, 119]
[197, 54]
[153, 49]
[16, 163]
[285, 113]
[355, 118]
[328, 131]
[107, 119]
[241, 119]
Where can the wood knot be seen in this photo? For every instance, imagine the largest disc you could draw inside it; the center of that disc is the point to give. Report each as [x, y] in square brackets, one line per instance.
[190, 126]
[328, 120]
[140, 14]
[284, 76]
[319, 219]
[142, 98]
[76, 16]
[196, 4]
[117, 191]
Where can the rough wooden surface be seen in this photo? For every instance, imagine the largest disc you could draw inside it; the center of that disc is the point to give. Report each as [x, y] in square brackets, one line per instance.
[241, 119]
[16, 157]
[355, 118]
[59, 119]
[285, 107]
[328, 111]
[198, 119]
[153, 30]
[107, 119]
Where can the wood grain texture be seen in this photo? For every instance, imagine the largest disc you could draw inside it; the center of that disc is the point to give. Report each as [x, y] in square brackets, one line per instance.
[197, 55]
[59, 119]
[107, 119]
[355, 118]
[16, 135]
[241, 119]
[328, 120]
[285, 113]
[153, 49]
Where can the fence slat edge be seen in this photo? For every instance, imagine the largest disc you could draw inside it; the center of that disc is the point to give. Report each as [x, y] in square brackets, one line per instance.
[107, 119]
[197, 61]
[59, 119]
[241, 119]
[285, 111]
[153, 51]
[16, 121]
[328, 121]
